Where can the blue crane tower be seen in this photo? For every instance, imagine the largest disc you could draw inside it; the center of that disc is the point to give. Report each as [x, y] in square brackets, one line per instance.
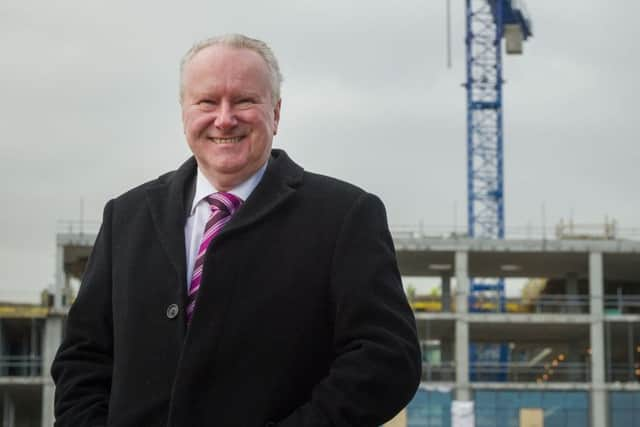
[488, 22]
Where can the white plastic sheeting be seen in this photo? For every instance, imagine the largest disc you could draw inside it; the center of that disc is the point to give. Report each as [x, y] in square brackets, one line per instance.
[462, 413]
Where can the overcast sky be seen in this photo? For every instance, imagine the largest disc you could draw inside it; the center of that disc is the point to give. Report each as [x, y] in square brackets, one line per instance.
[88, 107]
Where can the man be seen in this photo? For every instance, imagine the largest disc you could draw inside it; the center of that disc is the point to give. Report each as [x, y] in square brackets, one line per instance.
[292, 313]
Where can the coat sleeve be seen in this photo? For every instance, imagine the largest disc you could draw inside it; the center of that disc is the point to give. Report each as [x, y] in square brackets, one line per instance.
[377, 364]
[82, 367]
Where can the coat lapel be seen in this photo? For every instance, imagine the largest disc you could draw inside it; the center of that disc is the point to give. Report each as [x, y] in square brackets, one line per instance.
[170, 199]
[168, 204]
[279, 183]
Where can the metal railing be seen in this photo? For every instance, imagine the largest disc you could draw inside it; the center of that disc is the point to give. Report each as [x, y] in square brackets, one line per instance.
[509, 372]
[622, 304]
[404, 232]
[526, 372]
[20, 366]
[440, 371]
[575, 304]
[77, 226]
[623, 372]
[417, 231]
[564, 304]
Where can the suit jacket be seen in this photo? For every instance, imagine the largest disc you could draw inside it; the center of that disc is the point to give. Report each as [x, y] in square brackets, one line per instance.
[301, 319]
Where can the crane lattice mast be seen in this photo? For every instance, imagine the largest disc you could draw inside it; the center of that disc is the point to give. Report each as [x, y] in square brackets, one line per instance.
[488, 22]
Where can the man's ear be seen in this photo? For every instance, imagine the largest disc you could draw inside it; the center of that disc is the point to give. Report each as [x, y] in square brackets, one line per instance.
[184, 128]
[276, 116]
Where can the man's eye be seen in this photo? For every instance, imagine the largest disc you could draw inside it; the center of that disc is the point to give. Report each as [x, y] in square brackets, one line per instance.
[206, 102]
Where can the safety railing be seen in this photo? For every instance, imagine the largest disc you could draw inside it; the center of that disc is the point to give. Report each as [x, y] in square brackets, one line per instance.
[622, 304]
[526, 372]
[623, 372]
[574, 304]
[523, 372]
[78, 226]
[439, 371]
[407, 233]
[20, 366]
[565, 304]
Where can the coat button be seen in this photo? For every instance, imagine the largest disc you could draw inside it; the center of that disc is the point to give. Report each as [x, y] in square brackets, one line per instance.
[172, 311]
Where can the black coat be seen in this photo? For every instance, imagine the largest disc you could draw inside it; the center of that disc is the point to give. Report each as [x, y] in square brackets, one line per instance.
[301, 319]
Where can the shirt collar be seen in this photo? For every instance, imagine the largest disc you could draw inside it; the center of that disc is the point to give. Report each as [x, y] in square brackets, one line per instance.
[242, 191]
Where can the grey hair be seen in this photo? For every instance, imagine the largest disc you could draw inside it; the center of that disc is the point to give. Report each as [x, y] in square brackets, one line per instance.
[238, 41]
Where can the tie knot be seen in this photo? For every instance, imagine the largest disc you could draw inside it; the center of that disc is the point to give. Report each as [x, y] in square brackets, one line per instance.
[226, 202]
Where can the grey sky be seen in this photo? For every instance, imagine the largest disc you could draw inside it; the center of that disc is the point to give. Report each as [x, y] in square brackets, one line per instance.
[89, 109]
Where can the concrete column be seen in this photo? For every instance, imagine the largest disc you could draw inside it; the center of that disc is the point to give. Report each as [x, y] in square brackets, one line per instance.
[33, 348]
[572, 293]
[463, 391]
[8, 411]
[24, 353]
[598, 394]
[446, 293]
[60, 278]
[3, 369]
[51, 338]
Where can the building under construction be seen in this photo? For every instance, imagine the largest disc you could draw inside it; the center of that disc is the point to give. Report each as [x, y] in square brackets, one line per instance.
[566, 349]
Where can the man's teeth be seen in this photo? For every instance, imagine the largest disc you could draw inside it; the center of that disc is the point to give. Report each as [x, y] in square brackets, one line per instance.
[230, 140]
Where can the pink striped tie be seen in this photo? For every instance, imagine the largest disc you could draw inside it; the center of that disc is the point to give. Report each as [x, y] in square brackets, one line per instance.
[223, 205]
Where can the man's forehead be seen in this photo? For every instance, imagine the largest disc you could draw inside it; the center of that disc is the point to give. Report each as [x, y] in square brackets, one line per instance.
[218, 69]
[223, 55]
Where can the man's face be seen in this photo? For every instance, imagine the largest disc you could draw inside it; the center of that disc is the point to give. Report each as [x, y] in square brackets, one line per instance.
[228, 113]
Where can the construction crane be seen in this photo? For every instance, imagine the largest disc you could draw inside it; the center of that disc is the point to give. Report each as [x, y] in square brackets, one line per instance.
[488, 22]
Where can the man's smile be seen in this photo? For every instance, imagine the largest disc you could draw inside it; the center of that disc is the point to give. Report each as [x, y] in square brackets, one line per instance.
[226, 140]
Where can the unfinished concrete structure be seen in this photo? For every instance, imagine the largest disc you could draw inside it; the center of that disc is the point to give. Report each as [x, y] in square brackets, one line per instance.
[580, 339]
[574, 346]
[30, 335]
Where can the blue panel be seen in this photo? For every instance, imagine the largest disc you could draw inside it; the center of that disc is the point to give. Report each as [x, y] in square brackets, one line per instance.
[429, 408]
[576, 399]
[485, 417]
[636, 400]
[622, 399]
[485, 399]
[531, 399]
[418, 409]
[624, 409]
[513, 417]
[561, 409]
[621, 418]
[508, 399]
[440, 398]
[555, 418]
[552, 400]
[577, 418]
[502, 418]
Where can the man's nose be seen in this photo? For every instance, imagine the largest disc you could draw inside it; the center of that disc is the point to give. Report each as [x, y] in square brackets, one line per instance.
[225, 118]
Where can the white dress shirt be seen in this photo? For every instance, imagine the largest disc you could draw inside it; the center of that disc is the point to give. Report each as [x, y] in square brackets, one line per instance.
[200, 212]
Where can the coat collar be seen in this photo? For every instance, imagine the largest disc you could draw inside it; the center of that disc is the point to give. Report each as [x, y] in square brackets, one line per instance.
[170, 199]
[279, 182]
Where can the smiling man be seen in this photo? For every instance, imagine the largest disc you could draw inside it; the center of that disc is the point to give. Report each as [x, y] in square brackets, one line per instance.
[230, 111]
[238, 290]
